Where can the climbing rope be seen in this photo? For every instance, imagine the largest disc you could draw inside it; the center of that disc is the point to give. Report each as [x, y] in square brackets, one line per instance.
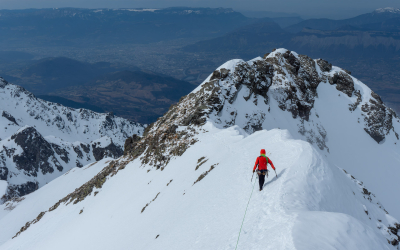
[245, 214]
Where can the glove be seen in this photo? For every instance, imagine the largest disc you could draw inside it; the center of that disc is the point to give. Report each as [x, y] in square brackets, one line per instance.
[253, 171]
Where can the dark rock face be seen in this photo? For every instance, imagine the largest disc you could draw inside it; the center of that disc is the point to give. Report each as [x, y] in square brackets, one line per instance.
[219, 74]
[299, 95]
[3, 173]
[130, 143]
[343, 82]
[20, 190]
[78, 152]
[9, 117]
[293, 61]
[111, 150]
[197, 118]
[86, 148]
[255, 122]
[37, 153]
[378, 118]
[78, 164]
[61, 152]
[324, 65]
[258, 78]
[353, 106]
[109, 123]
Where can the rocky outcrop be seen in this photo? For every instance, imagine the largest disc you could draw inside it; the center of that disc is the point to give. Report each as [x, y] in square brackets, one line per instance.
[378, 118]
[130, 143]
[37, 154]
[9, 117]
[3, 172]
[325, 66]
[343, 82]
[19, 190]
[111, 150]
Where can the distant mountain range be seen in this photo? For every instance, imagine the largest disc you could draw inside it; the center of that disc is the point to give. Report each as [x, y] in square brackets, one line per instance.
[84, 27]
[366, 21]
[373, 32]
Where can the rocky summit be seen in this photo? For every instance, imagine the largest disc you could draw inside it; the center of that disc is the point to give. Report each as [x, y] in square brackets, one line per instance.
[40, 140]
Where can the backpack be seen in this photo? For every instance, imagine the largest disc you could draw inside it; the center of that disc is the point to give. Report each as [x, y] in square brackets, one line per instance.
[265, 158]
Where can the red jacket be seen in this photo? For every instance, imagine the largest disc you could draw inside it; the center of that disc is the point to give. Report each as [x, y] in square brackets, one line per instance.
[262, 163]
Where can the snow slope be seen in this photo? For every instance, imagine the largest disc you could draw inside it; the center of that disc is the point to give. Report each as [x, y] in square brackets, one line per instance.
[311, 205]
[31, 205]
[40, 140]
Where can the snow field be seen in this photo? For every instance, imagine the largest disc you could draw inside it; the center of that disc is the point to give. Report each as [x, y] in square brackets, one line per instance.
[310, 197]
[26, 210]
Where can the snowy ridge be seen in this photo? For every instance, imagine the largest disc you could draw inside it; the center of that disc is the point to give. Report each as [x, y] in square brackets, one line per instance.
[388, 10]
[185, 184]
[311, 205]
[40, 140]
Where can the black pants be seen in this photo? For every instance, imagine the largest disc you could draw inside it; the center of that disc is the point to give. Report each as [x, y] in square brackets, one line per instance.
[261, 179]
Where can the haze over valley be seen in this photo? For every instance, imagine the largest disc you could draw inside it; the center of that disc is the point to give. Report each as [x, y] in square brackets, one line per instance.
[186, 44]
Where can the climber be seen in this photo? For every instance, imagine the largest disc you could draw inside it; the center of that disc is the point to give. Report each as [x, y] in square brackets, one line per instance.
[262, 162]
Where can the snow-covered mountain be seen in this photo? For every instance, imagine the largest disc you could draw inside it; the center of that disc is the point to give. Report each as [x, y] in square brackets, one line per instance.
[40, 140]
[388, 10]
[186, 183]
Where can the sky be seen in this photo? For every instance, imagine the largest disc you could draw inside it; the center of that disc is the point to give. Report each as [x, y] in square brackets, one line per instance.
[336, 9]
